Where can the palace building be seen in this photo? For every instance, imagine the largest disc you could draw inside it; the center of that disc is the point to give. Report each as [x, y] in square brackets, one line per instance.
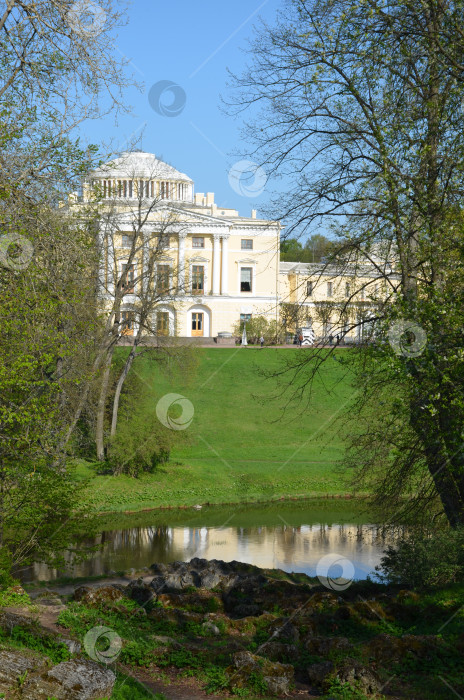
[223, 267]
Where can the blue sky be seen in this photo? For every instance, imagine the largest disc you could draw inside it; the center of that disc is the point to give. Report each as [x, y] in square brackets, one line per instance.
[190, 45]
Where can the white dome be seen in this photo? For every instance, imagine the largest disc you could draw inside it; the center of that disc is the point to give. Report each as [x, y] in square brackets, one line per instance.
[134, 164]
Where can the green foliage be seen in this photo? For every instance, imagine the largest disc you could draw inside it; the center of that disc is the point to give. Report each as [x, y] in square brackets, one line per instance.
[217, 679]
[9, 597]
[256, 327]
[137, 653]
[257, 683]
[142, 443]
[344, 691]
[429, 559]
[315, 248]
[127, 688]
[42, 643]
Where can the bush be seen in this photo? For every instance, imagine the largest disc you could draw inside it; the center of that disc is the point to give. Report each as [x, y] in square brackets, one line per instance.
[425, 559]
[259, 326]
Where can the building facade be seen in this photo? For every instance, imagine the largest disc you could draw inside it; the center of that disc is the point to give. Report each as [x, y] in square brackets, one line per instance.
[222, 267]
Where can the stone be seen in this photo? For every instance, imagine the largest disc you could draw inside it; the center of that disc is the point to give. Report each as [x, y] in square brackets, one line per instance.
[83, 679]
[167, 641]
[279, 651]
[278, 677]
[94, 596]
[10, 619]
[386, 648]
[48, 598]
[14, 664]
[211, 628]
[323, 646]
[317, 673]
[141, 592]
[356, 674]
[78, 679]
[284, 630]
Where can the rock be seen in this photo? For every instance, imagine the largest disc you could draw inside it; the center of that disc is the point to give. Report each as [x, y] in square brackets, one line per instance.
[83, 680]
[73, 646]
[370, 610]
[48, 598]
[278, 677]
[356, 674]
[160, 569]
[278, 651]
[166, 641]
[14, 664]
[277, 685]
[387, 649]
[9, 619]
[317, 673]
[140, 592]
[211, 628]
[69, 680]
[323, 646]
[94, 596]
[284, 630]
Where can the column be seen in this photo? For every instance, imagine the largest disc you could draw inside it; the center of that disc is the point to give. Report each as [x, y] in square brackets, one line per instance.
[216, 263]
[225, 264]
[181, 268]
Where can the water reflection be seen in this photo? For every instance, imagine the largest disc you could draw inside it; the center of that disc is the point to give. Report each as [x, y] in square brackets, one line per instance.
[288, 547]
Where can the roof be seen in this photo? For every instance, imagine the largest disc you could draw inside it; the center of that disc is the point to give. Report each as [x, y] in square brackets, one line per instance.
[132, 164]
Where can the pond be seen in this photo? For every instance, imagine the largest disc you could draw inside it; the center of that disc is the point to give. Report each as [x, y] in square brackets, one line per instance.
[292, 536]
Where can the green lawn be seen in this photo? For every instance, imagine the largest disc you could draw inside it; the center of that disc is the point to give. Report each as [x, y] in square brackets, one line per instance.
[243, 444]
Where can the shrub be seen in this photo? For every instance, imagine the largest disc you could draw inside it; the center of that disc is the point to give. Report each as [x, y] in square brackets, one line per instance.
[425, 559]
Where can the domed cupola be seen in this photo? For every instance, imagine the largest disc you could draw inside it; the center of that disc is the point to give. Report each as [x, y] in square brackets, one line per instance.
[139, 175]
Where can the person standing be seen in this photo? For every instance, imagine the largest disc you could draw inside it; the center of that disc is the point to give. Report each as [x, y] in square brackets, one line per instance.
[261, 340]
[300, 339]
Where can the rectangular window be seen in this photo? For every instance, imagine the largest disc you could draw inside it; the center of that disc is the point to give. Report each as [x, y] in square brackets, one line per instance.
[347, 290]
[198, 279]
[162, 323]
[309, 289]
[127, 322]
[247, 244]
[128, 274]
[329, 289]
[127, 240]
[198, 242]
[162, 281]
[245, 279]
[244, 318]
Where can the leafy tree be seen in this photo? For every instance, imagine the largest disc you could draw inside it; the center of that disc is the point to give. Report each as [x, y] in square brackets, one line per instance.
[365, 100]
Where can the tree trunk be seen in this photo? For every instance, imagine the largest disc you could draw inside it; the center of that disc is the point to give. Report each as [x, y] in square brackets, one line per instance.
[99, 437]
[119, 386]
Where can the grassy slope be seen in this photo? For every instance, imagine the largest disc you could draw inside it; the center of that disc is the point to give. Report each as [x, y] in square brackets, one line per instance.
[241, 447]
